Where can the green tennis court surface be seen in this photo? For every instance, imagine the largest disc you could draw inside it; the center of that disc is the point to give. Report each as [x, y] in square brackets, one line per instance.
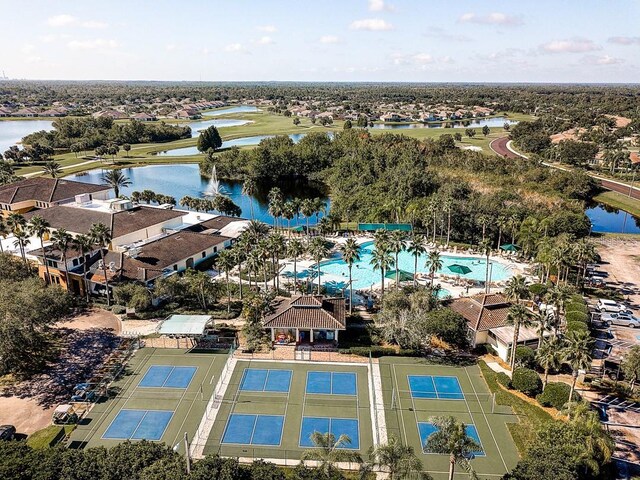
[265, 418]
[162, 395]
[414, 391]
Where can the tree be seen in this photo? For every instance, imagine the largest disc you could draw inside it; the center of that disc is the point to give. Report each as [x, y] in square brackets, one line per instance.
[52, 168]
[295, 248]
[486, 130]
[84, 244]
[308, 209]
[577, 354]
[518, 316]
[549, 356]
[381, 259]
[225, 262]
[485, 248]
[417, 247]
[116, 180]
[276, 204]
[397, 245]
[61, 240]
[249, 188]
[253, 311]
[127, 148]
[350, 251]
[318, 250]
[330, 450]
[450, 438]
[516, 289]
[22, 241]
[209, 139]
[296, 121]
[433, 263]
[396, 459]
[631, 365]
[347, 125]
[470, 132]
[38, 226]
[100, 235]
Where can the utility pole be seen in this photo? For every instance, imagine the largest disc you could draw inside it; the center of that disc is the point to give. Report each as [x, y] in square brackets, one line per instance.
[187, 453]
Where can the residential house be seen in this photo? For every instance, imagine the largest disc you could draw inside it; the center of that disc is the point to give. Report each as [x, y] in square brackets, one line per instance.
[25, 112]
[5, 112]
[143, 117]
[113, 114]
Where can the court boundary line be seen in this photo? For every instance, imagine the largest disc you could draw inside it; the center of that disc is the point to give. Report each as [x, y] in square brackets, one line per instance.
[253, 431]
[173, 367]
[330, 423]
[330, 372]
[484, 454]
[266, 379]
[438, 397]
[146, 411]
[404, 427]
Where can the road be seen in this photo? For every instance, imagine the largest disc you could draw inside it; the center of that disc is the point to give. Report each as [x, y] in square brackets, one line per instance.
[502, 147]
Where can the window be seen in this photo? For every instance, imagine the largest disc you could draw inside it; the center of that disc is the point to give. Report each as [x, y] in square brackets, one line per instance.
[204, 254]
[215, 249]
[75, 262]
[175, 268]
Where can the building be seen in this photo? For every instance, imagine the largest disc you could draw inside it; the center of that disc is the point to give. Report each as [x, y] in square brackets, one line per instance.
[40, 192]
[143, 117]
[25, 112]
[307, 319]
[113, 114]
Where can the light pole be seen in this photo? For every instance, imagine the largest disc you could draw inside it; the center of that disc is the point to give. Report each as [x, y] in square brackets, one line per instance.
[187, 453]
[633, 179]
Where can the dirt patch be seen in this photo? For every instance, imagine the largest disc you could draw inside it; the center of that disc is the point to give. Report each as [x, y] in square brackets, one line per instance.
[620, 261]
[25, 414]
[94, 318]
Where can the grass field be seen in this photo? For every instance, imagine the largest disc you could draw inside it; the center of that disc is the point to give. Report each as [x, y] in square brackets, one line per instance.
[180, 408]
[620, 201]
[457, 391]
[293, 409]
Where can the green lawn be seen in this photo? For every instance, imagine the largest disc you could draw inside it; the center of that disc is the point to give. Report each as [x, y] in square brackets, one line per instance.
[620, 201]
[49, 436]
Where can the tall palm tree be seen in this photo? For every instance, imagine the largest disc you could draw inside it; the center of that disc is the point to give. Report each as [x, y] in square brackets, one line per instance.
[4, 233]
[253, 264]
[485, 248]
[417, 247]
[397, 245]
[548, 356]
[308, 208]
[277, 246]
[516, 289]
[451, 439]
[256, 231]
[62, 241]
[249, 188]
[350, 251]
[433, 263]
[289, 212]
[263, 252]
[518, 316]
[21, 241]
[16, 222]
[382, 260]
[447, 206]
[503, 224]
[225, 262]
[101, 236]
[577, 354]
[276, 204]
[84, 244]
[318, 249]
[329, 451]
[295, 248]
[52, 168]
[396, 459]
[598, 446]
[38, 226]
[585, 253]
[513, 223]
[239, 257]
[116, 180]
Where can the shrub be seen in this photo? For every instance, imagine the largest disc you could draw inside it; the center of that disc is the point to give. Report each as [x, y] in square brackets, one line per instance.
[576, 298]
[577, 307]
[503, 379]
[118, 309]
[525, 356]
[576, 316]
[556, 395]
[526, 381]
[577, 327]
[377, 352]
[537, 288]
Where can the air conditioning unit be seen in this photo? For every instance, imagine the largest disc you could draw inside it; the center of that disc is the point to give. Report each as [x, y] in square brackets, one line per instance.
[83, 199]
[112, 266]
[133, 252]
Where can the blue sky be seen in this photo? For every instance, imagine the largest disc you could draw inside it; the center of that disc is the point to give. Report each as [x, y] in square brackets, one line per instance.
[328, 40]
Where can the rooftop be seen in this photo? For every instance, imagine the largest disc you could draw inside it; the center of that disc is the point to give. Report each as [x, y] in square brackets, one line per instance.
[308, 311]
[484, 311]
[44, 189]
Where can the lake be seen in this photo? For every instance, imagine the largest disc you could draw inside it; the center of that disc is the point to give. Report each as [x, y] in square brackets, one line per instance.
[227, 111]
[198, 126]
[12, 131]
[182, 180]
[605, 219]
[473, 123]
[236, 142]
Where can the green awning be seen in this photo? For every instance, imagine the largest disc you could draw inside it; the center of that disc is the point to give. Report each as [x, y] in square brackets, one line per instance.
[459, 269]
[509, 247]
[404, 276]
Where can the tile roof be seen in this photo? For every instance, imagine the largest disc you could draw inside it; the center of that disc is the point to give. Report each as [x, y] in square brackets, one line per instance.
[308, 311]
[44, 189]
[483, 311]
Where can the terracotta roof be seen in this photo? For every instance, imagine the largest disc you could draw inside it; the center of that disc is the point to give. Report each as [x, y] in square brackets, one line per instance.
[44, 189]
[483, 311]
[308, 311]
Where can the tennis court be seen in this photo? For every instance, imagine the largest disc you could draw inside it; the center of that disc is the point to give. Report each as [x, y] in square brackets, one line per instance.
[270, 409]
[162, 395]
[414, 391]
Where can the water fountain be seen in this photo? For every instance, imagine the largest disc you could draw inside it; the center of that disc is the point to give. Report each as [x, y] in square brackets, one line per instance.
[214, 188]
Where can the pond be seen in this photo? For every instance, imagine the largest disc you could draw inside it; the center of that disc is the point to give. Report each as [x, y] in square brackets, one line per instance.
[198, 126]
[606, 219]
[470, 123]
[236, 142]
[227, 111]
[12, 131]
[182, 180]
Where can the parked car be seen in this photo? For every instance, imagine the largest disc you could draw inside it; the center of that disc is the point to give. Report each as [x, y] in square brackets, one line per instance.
[7, 432]
[609, 306]
[622, 319]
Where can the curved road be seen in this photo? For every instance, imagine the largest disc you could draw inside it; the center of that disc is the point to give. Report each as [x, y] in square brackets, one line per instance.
[500, 146]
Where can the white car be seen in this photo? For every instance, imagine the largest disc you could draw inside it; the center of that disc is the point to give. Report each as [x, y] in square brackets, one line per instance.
[609, 306]
[623, 319]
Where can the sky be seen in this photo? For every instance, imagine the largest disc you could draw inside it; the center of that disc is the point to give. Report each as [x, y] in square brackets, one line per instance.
[586, 41]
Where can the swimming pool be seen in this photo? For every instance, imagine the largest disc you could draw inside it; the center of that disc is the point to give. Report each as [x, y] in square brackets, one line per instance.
[335, 273]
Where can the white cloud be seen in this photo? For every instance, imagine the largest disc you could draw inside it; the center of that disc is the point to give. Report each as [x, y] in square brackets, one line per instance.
[442, 34]
[624, 40]
[328, 39]
[495, 18]
[266, 40]
[234, 48]
[97, 43]
[27, 48]
[50, 38]
[94, 24]
[268, 28]
[602, 60]
[371, 24]
[380, 6]
[62, 20]
[572, 45]
[171, 47]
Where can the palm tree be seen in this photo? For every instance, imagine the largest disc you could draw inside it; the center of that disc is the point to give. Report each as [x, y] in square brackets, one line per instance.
[417, 247]
[38, 226]
[308, 208]
[256, 231]
[116, 180]
[513, 223]
[397, 245]
[276, 204]
[239, 257]
[289, 212]
[277, 246]
[516, 289]
[318, 249]
[4, 233]
[382, 260]
[503, 224]
[585, 253]
[447, 206]
[226, 261]
[548, 356]
[518, 316]
[295, 248]
[433, 263]
[395, 458]
[249, 188]
[101, 236]
[483, 221]
[62, 241]
[577, 354]
[21, 241]
[329, 450]
[350, 251]
[262, 251]
[598, 447]
[16, 222]
[85, 245]
[451, 439]
[485, 248]
[253, 264]
[52, 168]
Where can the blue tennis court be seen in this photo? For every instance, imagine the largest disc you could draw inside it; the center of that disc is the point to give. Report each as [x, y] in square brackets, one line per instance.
[253, 429]
[139, 425]
[428, 386]
[166, 376]
[258, 380]
[426, 429]
[336, 426]
[332, 383]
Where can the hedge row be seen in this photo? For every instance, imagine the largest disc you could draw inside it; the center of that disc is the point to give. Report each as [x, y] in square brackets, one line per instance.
[575, 316]
[577, 307]
[377, 352]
